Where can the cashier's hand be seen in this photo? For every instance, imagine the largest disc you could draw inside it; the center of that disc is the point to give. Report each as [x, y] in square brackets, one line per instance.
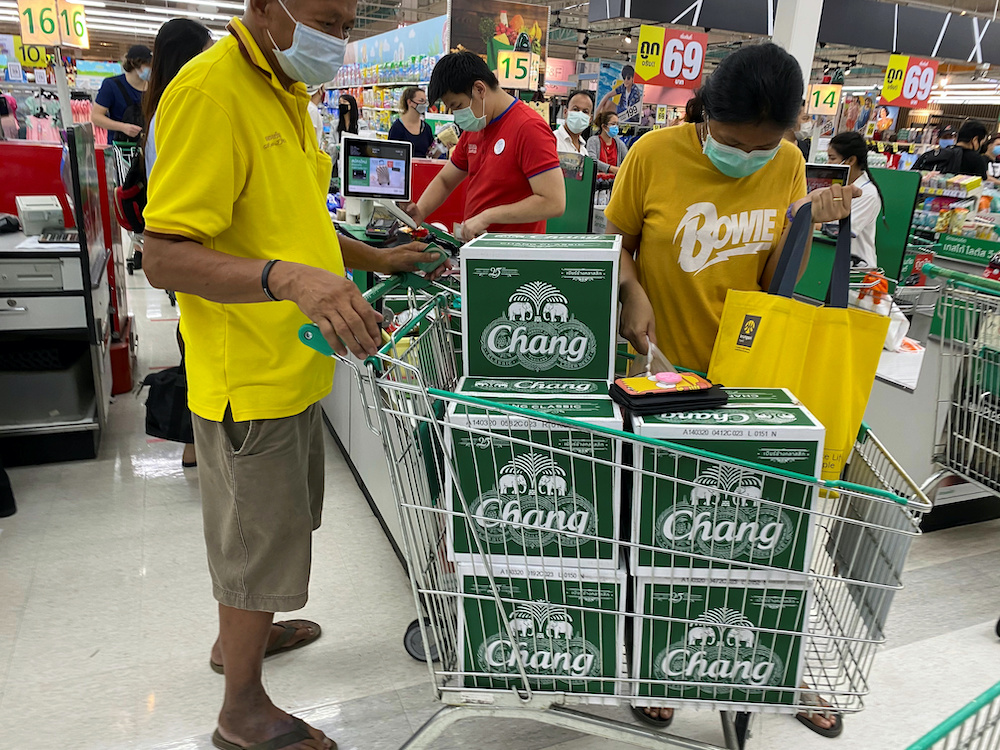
[637, 321]
[414, 212]
[475, 226]
[333, 303]
[830, 204]
[404, 259]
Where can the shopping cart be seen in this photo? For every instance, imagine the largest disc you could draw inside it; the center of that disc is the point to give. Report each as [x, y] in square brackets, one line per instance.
[975, 726]
[125, 152]
[968, 438]
[523, 625]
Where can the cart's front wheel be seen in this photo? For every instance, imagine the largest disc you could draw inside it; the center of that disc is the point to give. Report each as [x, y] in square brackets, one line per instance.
[414, 644]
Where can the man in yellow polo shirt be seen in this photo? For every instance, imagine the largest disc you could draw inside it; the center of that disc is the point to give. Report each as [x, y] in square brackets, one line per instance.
[237, 224]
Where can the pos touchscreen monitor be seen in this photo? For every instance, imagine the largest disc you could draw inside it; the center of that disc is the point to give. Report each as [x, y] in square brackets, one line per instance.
[375, 170]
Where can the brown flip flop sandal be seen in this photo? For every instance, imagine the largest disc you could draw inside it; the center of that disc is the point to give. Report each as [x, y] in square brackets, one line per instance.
[653, 721]
[299, 733]
[280, 645]
[820, 706]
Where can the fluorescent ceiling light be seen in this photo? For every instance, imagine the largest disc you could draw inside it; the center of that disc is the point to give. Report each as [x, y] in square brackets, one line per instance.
[172, 12]
[230, 6]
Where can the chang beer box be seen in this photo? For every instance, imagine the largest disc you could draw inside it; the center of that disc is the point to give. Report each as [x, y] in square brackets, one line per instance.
[739, 397]
[540, 306]
[532, 487]
[716, 637]
[713, 508]
[568, 627]
[532, 388]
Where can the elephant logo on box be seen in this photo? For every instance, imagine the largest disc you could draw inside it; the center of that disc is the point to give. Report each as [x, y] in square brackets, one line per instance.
[539, 332]
[533, 505]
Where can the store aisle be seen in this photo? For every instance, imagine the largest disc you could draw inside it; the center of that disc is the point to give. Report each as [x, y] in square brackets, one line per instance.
[106, 615]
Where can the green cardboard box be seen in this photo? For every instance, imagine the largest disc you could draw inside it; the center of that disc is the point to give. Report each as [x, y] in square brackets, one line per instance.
[569, 627]
[715, 637]
[529, 485]
[713, 508]
[756, 396]
[540, 306]
[532, 388]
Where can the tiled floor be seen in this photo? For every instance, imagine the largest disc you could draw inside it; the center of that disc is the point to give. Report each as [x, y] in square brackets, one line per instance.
[106, 616]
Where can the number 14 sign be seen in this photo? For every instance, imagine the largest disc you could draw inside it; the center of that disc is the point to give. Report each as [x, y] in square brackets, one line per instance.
[908, 81]
[670, 57]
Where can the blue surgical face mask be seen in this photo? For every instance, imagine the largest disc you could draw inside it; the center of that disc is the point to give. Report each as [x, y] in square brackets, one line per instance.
[945, 142]
[144, 73]
[735, 162]
[314, 57]
[468, 121]
[996, 150]
[613, 131]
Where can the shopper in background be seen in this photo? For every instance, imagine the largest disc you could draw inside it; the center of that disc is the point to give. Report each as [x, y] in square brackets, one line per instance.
[348, 122]
[410, 125]
[714, 217]
[579, 111]
[971, 136]
[178, 41]
[315, 99]
[118, 105]
[8, 118]
[237, 222]
[605, 147]
[851, 149]
[507, 151]
[993, 159]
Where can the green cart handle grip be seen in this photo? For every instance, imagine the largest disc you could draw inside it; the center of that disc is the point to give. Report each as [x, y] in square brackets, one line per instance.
[978, 283]
[311, 336]
[430, 265]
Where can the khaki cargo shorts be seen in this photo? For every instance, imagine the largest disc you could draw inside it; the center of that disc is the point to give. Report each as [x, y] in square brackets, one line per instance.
[262, 497]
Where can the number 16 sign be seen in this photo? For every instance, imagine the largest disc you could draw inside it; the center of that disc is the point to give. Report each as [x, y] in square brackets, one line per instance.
[908, 81]
[670, 57]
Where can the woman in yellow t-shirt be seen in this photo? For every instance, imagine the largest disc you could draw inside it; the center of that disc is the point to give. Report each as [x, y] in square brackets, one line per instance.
[704, 208]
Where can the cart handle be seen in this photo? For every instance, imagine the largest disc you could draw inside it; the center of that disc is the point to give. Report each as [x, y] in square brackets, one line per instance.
[977, 283]
[958, 718]
[687, 449]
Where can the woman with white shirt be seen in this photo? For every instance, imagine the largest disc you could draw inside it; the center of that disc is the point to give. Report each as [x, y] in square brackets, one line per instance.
[579, 110]
[849, 148]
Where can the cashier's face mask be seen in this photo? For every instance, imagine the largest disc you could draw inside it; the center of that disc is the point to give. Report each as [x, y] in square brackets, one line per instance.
[314, 57]
[467, 120]
[735, 162]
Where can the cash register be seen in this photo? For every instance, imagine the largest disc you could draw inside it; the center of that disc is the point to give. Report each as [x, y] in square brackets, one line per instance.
[374, 176]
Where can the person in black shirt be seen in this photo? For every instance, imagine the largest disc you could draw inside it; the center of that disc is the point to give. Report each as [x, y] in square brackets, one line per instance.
[410, 125]
[971, 137]
[118, 105]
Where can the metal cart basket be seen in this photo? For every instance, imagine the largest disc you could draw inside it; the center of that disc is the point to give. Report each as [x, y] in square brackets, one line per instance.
[125, 153]
[771, 595]
[975, 726]
[968, 438]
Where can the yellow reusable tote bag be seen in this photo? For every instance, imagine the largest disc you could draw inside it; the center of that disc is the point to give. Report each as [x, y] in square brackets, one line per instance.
[826, 356]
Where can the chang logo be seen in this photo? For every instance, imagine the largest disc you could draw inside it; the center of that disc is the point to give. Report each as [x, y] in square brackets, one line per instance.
[721, 646]
[538, 332]
[774, 416]
[547, 639]
[722, 517]
[532, 506]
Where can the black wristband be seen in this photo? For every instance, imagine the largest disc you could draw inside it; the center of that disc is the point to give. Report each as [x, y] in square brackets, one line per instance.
[263, 280]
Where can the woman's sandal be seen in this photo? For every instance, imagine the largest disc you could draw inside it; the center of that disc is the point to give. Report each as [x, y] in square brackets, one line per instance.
[654, 721]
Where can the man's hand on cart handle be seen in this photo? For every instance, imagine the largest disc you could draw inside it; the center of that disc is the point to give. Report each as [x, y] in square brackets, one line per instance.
[637, 322]
[333, 303]
[829, 204]
[406, 259]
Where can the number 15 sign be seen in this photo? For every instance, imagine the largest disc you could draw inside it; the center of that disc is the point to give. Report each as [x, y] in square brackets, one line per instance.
[670, 57]
[908, 81]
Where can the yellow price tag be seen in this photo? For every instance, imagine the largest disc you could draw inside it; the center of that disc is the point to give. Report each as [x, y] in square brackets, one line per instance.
[895, 73]
[649, 58]
[514, 69]
[823, 99]
[73, 25]
[38, 22]
[29, 55]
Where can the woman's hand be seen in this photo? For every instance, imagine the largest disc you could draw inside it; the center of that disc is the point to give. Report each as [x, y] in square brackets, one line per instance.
[637, 322]
[612, 169]
[830, 204]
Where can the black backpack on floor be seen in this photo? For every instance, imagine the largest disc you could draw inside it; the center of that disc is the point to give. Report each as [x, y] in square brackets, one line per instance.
[167, 413]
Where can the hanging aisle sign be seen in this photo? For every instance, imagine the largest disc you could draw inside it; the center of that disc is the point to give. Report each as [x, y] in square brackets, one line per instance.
[908, 81]
[823, 99]
[670, 57]
[518, 70]
[50, 23]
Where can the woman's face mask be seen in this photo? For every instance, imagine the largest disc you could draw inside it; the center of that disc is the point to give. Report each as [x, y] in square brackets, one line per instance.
[613, 131]
[144, 73]
[735, 162]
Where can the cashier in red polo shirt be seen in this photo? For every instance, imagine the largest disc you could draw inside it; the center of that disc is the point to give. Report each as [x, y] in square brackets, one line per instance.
[507, 151]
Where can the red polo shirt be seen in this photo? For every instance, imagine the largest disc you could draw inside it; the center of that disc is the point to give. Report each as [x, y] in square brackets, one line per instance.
[501, 158]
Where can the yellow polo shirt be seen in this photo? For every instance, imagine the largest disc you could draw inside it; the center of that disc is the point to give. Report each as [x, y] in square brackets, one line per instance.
[702, 233]
[238, 170]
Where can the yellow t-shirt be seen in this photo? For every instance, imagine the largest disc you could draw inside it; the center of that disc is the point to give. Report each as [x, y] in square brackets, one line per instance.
[238, 170]
[702, 233]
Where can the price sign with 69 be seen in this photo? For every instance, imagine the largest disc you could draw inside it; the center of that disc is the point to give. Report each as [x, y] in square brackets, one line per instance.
[670, 57]
[908, 81]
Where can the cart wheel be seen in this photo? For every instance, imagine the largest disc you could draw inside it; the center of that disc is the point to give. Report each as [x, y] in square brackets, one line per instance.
[130, 266]
[998, 628]
[414, 644]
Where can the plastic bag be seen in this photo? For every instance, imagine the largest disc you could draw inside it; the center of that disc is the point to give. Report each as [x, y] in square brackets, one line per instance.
[899, 326]
[651, 363]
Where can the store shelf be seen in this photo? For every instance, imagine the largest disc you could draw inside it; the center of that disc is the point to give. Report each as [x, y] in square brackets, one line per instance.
[387, 85]
[946, 193]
